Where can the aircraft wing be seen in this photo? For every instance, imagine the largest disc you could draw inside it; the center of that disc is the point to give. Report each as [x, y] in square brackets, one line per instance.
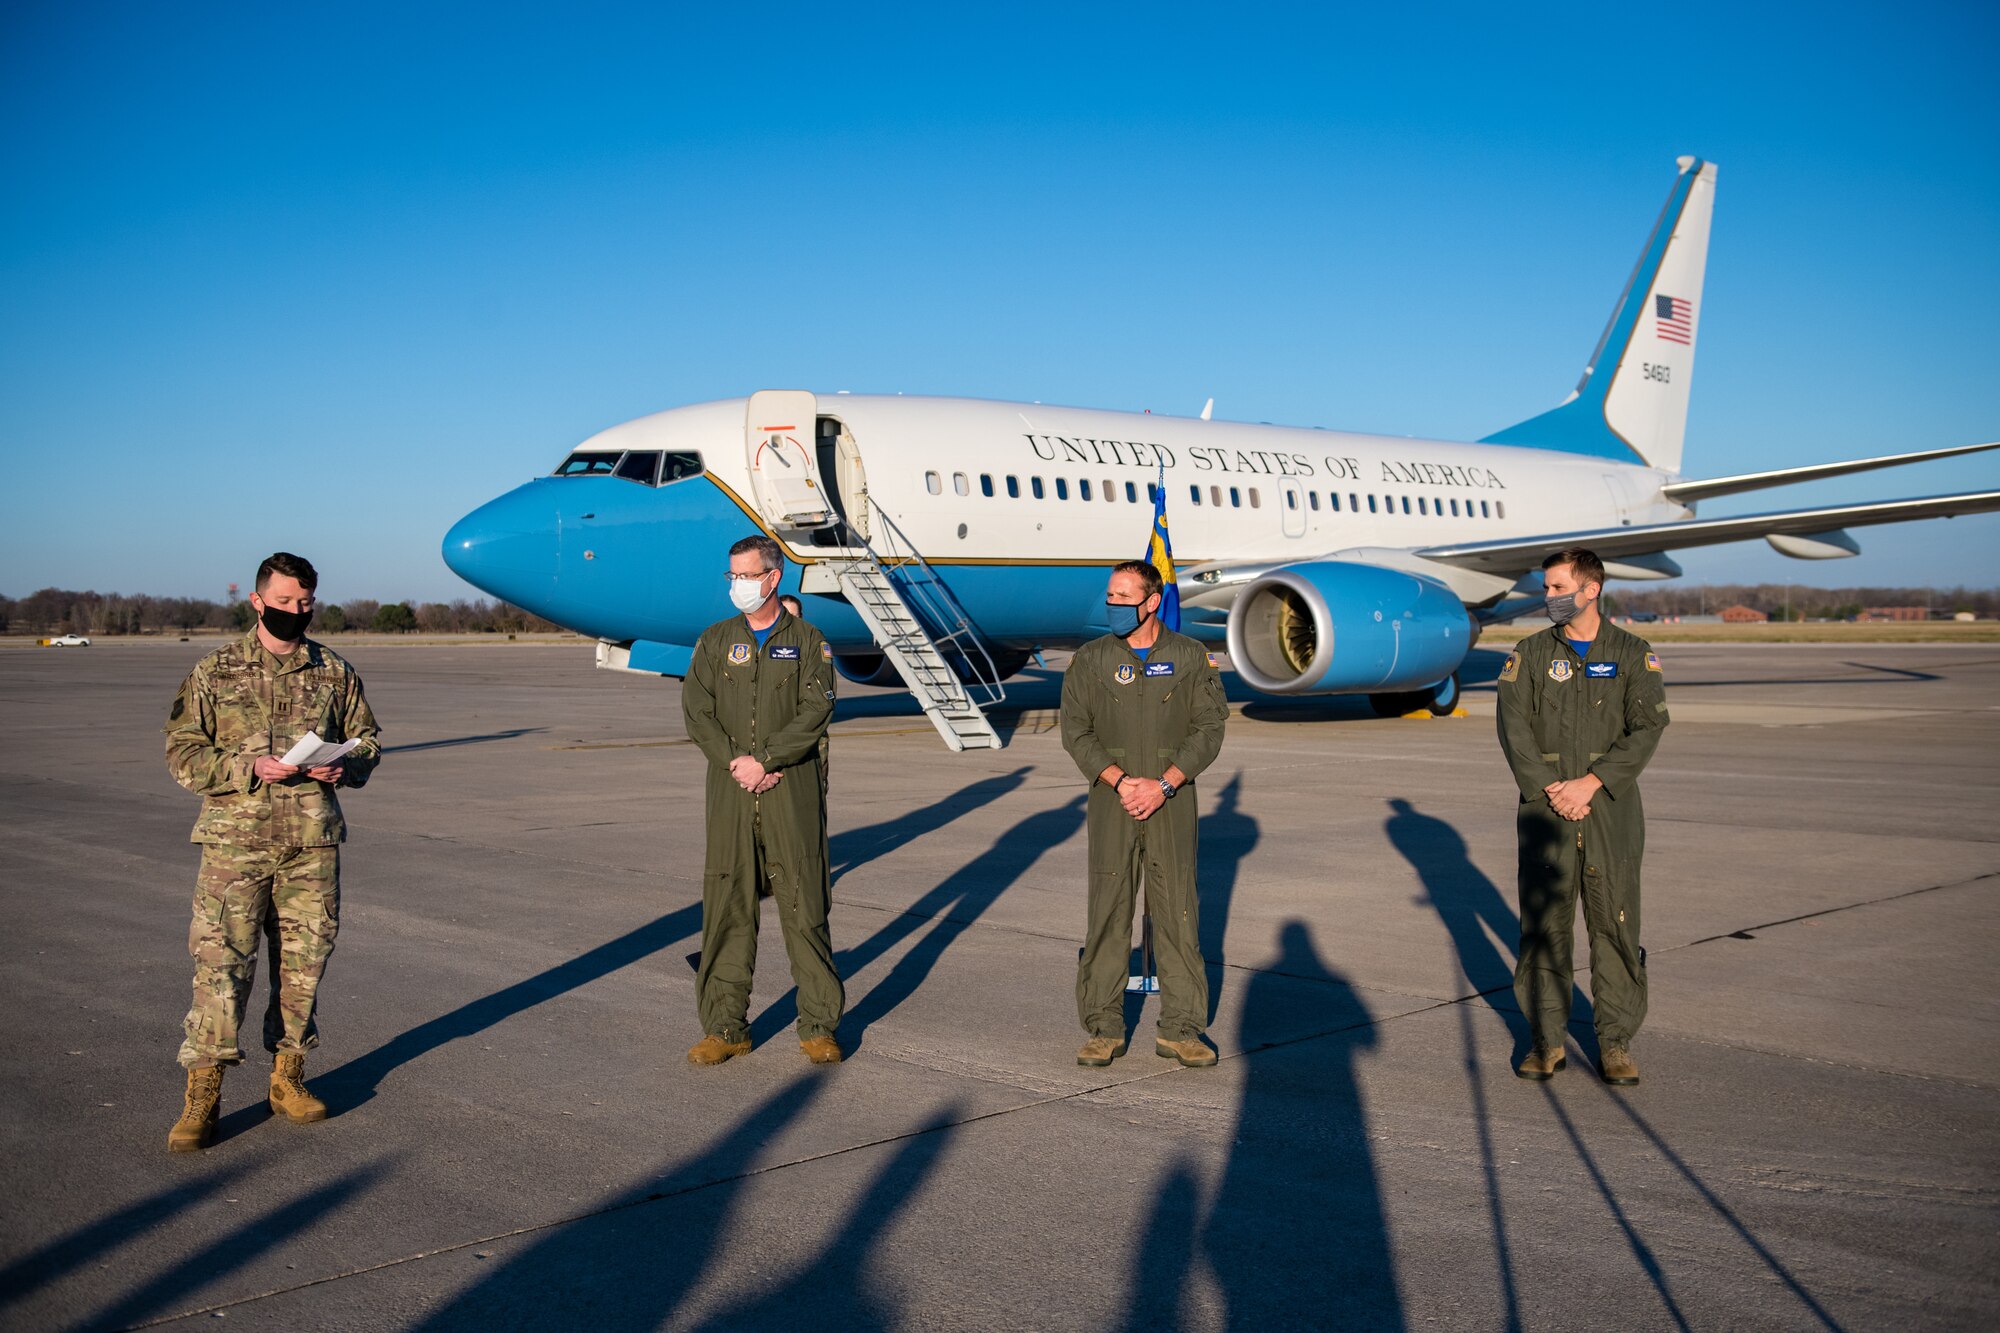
[1708, 488]
[1519, 554]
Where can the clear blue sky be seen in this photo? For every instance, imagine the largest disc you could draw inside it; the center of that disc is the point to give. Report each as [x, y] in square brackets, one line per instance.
[326, 277]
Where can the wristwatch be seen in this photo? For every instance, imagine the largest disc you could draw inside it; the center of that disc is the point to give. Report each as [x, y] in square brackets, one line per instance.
[1167, 789]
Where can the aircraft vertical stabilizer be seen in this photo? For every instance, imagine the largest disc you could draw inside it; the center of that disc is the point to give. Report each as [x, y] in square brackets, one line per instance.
[1633, 397]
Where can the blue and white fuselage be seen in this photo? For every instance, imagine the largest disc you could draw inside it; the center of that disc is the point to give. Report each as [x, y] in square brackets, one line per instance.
[1328, 562]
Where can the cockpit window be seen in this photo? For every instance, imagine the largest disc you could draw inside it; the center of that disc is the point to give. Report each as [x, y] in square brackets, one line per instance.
[588, 465]
[639, 466]
[648, 467]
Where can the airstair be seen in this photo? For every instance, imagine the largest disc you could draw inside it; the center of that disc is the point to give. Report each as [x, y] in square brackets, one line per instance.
[922, 630]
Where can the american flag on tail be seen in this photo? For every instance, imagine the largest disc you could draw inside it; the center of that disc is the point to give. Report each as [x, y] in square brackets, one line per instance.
[1673, 319]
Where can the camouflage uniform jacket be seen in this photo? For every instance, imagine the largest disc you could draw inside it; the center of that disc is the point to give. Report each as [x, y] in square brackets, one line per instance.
[241, 702]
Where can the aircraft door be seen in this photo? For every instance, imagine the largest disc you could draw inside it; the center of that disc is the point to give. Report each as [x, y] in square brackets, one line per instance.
[1292, 506]
[784, 480]
[839, 457]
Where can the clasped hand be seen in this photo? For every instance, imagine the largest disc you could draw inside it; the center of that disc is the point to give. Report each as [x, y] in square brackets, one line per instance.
[1571, 799]
[1140, 796]
[752, 776]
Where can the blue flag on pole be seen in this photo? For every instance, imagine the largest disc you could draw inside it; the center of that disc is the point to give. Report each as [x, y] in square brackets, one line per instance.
[1160, 553]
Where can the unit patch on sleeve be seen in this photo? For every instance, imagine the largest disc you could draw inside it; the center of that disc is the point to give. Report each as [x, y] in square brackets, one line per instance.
[1510, 670]
[825, 651]
[784, 652]
[1159, 668]
[739, 653]
[1600, 670]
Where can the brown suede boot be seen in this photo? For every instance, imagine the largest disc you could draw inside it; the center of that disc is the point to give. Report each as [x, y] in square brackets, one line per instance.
[1541, 1065]
[821, 1050]
[1192, 1053]
[192, 1131]
[1100, 1051]
[713, 1050]
[1618, 1067]
[289, 1097]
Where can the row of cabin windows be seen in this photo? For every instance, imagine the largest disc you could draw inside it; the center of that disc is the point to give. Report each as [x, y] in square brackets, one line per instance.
[1217, 496]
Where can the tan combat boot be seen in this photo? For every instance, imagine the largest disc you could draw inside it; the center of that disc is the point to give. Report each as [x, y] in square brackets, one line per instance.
[713, 1050]
[1541, 1065]
[289, 1097]
[1192, 1053]
[197, 1123]
[1618, 1067]
[821, 1050]
[1100, 1051]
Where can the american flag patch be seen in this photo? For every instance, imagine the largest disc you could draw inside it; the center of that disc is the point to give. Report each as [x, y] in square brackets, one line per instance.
[1653, 662]
[1215, 660]
[1673, 320]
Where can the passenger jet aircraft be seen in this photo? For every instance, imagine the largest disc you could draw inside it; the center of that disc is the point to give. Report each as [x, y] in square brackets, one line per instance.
[1328, 563]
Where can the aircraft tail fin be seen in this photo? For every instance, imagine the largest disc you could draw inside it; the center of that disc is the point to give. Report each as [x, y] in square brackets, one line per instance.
[1631, 404]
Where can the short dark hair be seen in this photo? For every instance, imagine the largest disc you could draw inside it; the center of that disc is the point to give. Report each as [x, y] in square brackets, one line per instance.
[1583, 562]
[1148, 575]
[766, 548]
[791, 603]
[291, 566]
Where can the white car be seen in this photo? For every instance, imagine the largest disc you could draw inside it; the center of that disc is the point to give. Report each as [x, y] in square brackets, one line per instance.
[69, 641]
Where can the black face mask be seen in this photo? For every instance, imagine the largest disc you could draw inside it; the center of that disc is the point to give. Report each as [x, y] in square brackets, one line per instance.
[285, 626]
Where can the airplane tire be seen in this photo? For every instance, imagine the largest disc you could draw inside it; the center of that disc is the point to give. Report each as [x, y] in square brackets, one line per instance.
[1440, 699]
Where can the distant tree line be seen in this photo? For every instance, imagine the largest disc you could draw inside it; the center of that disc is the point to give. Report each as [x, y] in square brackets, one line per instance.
[60, 611]
[1672, 599]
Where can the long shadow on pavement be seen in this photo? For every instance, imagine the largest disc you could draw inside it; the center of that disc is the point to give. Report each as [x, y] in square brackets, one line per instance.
[856, 847]
[354, 1083]
[54, 1259]
[1300, 1195]
[1225, 840]
[632, 1263]
[948, 910]
[831, 1290]
[238, 1248]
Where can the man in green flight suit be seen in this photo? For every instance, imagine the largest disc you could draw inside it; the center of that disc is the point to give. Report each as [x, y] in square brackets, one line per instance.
[1582, 706]
[1142, 714]
[270, 836]
[757, 698]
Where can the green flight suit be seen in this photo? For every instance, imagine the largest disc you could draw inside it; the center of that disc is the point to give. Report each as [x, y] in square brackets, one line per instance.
[770, 702]
[1562, 716]
[1142, 716]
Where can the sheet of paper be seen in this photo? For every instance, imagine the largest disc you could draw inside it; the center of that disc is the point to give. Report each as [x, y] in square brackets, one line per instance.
[312, 752]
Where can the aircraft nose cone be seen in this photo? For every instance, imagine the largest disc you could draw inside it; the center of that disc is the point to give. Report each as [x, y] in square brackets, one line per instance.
[508, 547]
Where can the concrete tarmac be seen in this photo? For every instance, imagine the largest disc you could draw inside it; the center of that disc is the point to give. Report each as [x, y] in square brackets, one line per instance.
[518, 1140]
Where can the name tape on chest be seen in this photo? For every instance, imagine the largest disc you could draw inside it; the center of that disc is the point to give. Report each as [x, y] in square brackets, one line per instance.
[784, 652]
[1159, 668]
[1600, 670]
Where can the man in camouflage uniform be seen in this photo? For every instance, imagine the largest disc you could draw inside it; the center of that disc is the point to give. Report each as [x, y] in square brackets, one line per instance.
[757, 697]
[1582, 706]
[1142, 714]
[270, 838]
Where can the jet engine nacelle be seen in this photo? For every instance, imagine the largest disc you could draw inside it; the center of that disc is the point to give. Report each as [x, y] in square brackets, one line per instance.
[1329, 627]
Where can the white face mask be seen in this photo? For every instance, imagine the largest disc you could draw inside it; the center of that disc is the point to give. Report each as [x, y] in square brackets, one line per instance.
[746, 594]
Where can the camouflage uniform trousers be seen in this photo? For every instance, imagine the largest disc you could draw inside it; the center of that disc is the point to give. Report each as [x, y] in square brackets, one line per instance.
[244, 895]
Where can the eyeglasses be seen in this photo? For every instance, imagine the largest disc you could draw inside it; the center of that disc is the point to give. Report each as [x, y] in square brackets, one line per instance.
[734, 577]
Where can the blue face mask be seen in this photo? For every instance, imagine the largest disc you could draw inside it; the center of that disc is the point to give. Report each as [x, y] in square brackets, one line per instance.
[1123, 618]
